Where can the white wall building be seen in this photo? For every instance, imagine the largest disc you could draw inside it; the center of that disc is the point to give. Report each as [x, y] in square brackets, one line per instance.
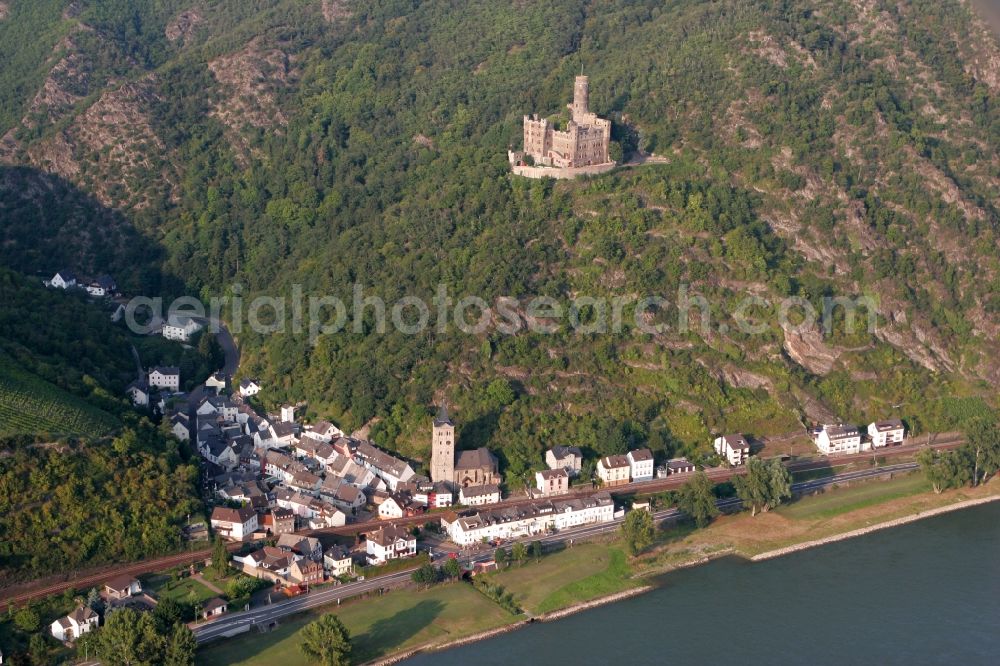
[641, 463]
[529, 520]
[479, 495]
[884, 433]
[235, 524]
[165, 377]
[734, 448]
[839, 439]
[389, 543]
[180, 327]
[81, 621]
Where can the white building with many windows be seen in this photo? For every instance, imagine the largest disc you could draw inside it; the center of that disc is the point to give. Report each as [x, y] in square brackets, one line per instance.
[180, 327]
[839, 439]
[529, 519]
[884, 433]
[734, 448]
[641, 464]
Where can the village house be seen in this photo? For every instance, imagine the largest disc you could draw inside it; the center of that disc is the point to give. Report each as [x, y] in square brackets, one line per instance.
[234, 524]
[325, 515]
[341, 494]
[180, 328]
[390, 469]
[165, 377]
[733, 448]
[338, 562]
[552, 481]
[81, 621]
[641, 464]
[304, 546]
[63, 280]
[216, 381]
[214, 607]
[569, 458]
[679, 466]
[138, 393]
[840, 438]
[479, 495]
[528, 519]
[326, 431]
[279, 521]
[122, 587]
[305, 572]
[884, 433]
[389, 543]
[104, 285]
[249, 387]
[269, 563]
[180, 427]
[613, 470]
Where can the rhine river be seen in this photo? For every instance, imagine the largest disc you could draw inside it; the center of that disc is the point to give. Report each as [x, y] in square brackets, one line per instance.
[924, 593]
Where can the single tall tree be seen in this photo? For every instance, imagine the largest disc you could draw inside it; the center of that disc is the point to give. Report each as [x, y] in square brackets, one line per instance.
[181, 648]
[220, 557]
[327, 641]
[697, 501]
[982, 443]
[519, 552]
[637, 530]
[765, 484]
[128, 638]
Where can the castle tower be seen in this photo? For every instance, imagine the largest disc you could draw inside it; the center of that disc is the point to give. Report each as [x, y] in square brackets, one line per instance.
[581, 98]
[443, 448]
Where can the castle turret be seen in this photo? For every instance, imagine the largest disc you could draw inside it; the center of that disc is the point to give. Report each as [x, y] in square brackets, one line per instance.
[581, 98]
[443, 448]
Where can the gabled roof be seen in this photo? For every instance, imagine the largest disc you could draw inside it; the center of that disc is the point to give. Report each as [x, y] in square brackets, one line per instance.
[481, 458]
[481, 491]
[841, 431]
[228, 515]
[613, 462]
[562, 452]
[389, 534]
[640, 455]
[891, 424]
[67, 276]
[167, 370]
[122, 582]
[549, 474]
[212, 604]
[736, 441]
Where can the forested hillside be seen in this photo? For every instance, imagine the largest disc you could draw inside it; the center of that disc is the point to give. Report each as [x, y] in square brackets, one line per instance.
[812, 148]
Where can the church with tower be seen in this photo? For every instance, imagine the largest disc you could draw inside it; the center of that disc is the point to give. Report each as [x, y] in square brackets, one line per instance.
[476, 467]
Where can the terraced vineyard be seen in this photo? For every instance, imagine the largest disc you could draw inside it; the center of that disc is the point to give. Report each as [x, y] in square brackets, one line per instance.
[30, 405]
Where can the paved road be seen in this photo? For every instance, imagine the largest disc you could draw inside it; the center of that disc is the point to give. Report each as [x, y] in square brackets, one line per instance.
[236, 623]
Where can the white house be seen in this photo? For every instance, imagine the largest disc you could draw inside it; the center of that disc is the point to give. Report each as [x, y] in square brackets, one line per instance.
[63, 280]
[884, 433]
[641, 463]
[337, 561]
[288, 413]
[569, 458]
[734, 448]
[180, 327]
[614, 470]
[216, 381]
[389, 543]
[235, 524]
[529, 520]
[392, 507]
[122, 587]
[479, 495]
[179, 426]
[103, 286]
[552, 481]
[214, 607]
[81, 621]
[679, 466]
[138, 393]
[390, 469]
[839, 439]
[249, 387]
[165, 377]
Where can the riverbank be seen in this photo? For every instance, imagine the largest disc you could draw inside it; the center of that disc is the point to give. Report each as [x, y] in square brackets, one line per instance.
[408, 622]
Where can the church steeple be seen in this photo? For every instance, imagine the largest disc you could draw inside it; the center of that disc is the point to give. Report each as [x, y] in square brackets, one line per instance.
[443, 447]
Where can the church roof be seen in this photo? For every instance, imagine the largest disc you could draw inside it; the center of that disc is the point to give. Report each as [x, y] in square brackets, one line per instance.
[442, 416]
[480, 458]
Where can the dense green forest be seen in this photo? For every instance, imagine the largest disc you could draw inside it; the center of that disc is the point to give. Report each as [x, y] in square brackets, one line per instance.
[812, 149]
[72, 504]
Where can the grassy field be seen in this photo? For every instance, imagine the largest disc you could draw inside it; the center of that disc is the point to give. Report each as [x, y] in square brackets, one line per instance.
[400, 620]
[842, 500]
[186, 590]
[581, 573]
[30, 405]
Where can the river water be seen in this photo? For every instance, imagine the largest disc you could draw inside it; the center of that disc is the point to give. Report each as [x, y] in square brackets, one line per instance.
[923, 593]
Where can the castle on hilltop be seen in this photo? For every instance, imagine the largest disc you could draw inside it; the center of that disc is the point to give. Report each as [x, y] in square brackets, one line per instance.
[581, 148]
